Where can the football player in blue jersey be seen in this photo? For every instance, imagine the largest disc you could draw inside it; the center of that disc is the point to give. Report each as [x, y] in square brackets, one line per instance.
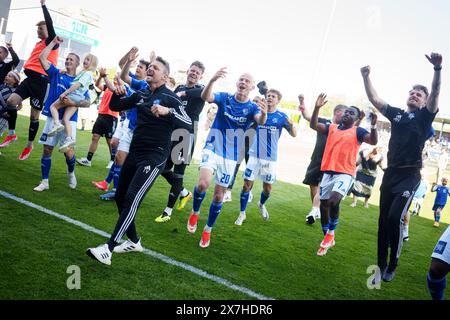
[235, 115]
[442, 193]
[59, 82]
[264, 154]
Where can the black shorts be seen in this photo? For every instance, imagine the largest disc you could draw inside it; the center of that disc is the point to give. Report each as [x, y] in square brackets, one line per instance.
[313, 174]
[35, 87]
[105, 125]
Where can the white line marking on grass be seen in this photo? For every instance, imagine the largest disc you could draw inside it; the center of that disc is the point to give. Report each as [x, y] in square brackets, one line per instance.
[149, 252]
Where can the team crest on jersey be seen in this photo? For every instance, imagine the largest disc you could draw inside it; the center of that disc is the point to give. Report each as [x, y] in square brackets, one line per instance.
[275, 120]
[398, 118]
[245, 111]
[406, 194]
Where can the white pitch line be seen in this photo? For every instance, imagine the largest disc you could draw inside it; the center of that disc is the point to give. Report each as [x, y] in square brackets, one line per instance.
[149, 252]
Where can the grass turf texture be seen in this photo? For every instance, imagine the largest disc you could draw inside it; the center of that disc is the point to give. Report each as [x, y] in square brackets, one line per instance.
[275, 258]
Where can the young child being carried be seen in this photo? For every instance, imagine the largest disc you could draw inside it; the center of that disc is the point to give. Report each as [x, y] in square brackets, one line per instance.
[75, 93]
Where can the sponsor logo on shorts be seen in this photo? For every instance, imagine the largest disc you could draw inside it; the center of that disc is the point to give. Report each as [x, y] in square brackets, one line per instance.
[440, 247]
[44, 137]
[147, 169]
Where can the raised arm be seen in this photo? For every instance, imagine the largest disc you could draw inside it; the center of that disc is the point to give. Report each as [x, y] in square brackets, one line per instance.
[99, 83]
[49, 23]
[292, 128]
[261, 118]
[433, 99]
[124, 74]
[44, 54]
[314, 123]
[372, 137]
[301, 107]
[124, 59]
[108, 83]
[378, 103]
[434, 187]
[207, 94]
[15, 58]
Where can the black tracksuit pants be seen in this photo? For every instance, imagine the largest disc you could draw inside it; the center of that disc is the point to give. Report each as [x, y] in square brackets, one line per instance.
[396, 193]
[136, 178]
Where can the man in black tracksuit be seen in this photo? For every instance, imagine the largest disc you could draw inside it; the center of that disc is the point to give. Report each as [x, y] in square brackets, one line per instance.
[160, 112]
[182, 149]
[409, 131]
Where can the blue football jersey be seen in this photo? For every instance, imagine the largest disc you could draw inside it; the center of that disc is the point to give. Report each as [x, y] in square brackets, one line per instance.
[442, 193]
[265, 144]
[233, 118]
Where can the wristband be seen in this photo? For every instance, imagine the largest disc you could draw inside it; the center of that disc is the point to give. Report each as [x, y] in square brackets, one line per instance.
[438, 68]
[373, 126]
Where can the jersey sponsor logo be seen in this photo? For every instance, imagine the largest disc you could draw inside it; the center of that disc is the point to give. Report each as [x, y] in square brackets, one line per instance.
[270, 128]
[406, 194]
[411, 116]
[237, 119]
[440, 247]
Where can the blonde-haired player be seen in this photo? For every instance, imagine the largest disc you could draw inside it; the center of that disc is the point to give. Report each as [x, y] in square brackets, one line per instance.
[75, 93]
